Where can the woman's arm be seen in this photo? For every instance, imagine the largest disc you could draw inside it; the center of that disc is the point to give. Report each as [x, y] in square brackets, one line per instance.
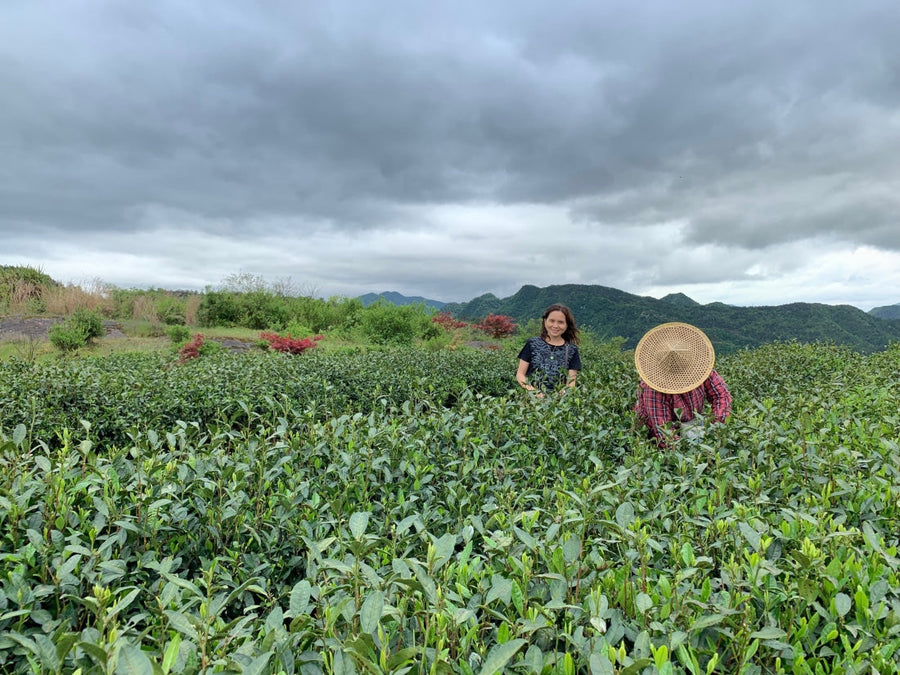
[521, 376]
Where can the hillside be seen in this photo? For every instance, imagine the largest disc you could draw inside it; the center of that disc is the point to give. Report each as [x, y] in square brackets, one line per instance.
[886, 312]
[609, 312]
[399, 299]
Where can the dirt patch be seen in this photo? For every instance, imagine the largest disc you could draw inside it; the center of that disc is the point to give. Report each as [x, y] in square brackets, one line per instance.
[36, 328]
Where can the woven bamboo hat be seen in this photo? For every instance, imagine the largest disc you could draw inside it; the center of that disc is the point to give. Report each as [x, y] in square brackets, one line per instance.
[674, 357]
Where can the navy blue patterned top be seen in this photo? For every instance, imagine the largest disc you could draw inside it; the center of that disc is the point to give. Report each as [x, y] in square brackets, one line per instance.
[549, 365]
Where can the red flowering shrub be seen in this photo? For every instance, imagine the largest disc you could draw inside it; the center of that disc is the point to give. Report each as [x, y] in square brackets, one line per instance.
[289, 345]
[497, 325]
[447, 322]
[191, 350]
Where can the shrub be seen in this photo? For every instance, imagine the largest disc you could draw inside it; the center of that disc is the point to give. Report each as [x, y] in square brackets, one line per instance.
[321, 315]
[387, 324]
[497, 325]
[178, 334]
[289, 345]
[170, 310]
[66, 337]
[77, 331]
[439, 342]
[89, 322]
[191, 350]
[219, 308]
[295, 329]
[447, 322]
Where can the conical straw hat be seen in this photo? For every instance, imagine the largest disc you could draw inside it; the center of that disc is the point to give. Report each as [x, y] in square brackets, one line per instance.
[674, 357]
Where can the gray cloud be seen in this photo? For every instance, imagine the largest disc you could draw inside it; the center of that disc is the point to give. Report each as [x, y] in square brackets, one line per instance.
[736, 131]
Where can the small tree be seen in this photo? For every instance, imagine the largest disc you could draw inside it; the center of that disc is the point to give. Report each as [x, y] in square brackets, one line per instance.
[497, 325]
[447, 322]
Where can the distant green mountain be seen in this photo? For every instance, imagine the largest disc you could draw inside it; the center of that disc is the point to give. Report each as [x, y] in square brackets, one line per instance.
[886, 312]
[399, 299]
[613, 313]
[680, 299]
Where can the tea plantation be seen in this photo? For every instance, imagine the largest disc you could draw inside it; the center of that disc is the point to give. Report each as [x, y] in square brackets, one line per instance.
[405, 511]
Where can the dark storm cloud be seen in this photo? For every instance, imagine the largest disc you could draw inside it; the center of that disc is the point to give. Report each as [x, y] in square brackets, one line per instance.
[737, 126]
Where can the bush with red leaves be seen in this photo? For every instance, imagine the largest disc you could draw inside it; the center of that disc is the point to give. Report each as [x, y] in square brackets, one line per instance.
[497, 325]
[191, 350]
[289, 345]
[447, 322]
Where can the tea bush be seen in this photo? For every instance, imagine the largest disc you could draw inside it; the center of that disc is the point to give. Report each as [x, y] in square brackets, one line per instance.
[408, 511]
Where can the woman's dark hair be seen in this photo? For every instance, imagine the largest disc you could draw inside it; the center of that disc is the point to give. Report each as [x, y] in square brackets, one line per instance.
[571, 332]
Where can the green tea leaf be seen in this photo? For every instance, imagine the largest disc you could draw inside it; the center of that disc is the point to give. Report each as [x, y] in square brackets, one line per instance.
[842, 604]
[708, 620]
[182, 624]
[358, 523]
[625, 514]
[637, 666]
[133, 661]
[258, 666]
[643, 602]
[171, 653]
[299, 599]
[19, 434]
[500, 655]
[750, 534]
[443, 550]
[768, 633]
[371, 610]
[123, 603]
[501, 588]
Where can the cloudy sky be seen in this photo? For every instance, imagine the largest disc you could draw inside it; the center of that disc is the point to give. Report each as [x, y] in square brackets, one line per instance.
[745, 152]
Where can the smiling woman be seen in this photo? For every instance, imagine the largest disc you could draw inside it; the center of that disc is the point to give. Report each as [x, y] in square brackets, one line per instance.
[552, 359]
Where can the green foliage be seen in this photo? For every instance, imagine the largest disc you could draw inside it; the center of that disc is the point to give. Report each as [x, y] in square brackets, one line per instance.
[408, 511]
[66, 338]
[13, 273]
[324, 315]
[263, 309]
[219, 308]
[155, 305]
[178, 334]
[89, 323]
[77, 331]
[170, 310]
[387, 324]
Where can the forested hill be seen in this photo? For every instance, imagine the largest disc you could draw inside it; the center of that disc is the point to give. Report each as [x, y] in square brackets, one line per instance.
[887, 312]
[609, 312]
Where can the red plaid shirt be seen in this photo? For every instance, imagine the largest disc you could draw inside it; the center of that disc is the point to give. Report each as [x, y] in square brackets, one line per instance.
[657, 409]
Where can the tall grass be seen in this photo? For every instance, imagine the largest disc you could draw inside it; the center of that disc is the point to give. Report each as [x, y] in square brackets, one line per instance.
[64, 300]
[24, 297]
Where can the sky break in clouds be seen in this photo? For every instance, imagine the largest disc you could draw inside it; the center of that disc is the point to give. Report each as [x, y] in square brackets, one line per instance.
[744, 153]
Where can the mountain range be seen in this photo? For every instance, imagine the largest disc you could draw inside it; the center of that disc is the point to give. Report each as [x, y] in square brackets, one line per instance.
[610, 313]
